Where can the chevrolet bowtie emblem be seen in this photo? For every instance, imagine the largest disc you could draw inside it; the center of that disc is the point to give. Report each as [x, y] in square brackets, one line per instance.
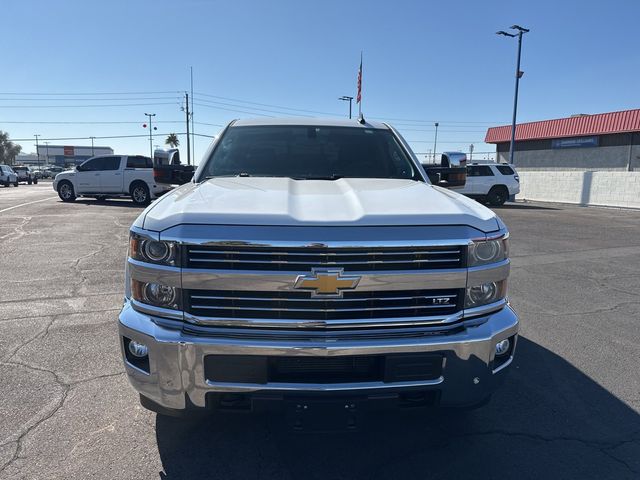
[326, 282]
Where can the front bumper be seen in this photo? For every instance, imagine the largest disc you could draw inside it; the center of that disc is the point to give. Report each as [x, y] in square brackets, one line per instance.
[176, 375]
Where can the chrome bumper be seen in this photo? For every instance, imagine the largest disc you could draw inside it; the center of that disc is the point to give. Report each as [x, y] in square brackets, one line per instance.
[176, 360]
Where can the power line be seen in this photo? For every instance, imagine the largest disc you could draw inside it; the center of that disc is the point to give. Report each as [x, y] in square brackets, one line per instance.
[211, 102]
[93, 93]
[88, 106]
[40, 99]
[282, 107]
[21, 122]
[231, 110]
[107, 137]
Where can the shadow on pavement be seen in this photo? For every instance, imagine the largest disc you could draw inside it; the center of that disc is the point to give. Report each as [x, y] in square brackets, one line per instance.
[524, 206]
[549, 420]
[123, 202]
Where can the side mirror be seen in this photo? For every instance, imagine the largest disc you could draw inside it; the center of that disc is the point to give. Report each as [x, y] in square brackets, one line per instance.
[79, 168]
[443, 184]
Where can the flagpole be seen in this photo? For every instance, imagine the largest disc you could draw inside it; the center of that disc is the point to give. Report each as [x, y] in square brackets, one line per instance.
[360, 102]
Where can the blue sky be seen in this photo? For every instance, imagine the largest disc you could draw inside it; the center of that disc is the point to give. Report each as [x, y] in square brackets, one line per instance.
[424, 61]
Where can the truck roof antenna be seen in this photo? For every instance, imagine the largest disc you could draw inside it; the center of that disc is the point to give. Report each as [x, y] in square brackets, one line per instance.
[361, 119]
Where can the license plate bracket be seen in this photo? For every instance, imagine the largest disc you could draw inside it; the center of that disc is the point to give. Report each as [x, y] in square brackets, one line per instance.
[323, 415]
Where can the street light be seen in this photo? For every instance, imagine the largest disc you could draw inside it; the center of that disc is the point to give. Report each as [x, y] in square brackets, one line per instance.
[435, 142]
[349, 99]
[46, 160]
[520, 31]
[150, 115]
[92, 138]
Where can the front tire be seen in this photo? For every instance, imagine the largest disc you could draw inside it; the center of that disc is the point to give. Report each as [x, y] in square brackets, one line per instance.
[66, 192]
[140, 194]
[16, 184]
[29, 181]
[497, 196]
[35, 181]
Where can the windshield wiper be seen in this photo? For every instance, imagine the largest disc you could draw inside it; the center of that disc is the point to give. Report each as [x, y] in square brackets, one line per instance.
[233, 175]
[333, 176]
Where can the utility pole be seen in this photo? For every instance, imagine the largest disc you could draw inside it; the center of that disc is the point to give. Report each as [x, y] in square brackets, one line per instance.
[435, 142]
[186, 103]
[92, 138]
[150, 115]
[193, 128]
[471, 147]
[37, 150]
[349, 99]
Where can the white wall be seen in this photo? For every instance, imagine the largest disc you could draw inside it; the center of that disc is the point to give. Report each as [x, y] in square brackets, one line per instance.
[615, 189]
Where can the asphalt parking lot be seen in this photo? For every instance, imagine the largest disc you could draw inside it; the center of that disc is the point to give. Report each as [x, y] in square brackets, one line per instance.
[570, 408]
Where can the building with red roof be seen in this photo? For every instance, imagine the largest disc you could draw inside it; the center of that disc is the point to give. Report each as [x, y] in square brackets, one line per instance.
[604, 141]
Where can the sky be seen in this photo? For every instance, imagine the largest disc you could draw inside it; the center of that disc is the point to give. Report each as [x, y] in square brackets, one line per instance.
[79, 63]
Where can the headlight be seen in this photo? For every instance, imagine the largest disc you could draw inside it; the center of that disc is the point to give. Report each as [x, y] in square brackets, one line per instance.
[156, 294]
[485, 293]
[488, 251]
[153, 251]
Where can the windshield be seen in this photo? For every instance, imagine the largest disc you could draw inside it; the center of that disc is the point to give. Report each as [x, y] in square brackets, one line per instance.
[309, 152]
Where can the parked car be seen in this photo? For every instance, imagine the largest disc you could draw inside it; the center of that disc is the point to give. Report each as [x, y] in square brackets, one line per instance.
[491, 183]
[8, 176]
[25, 174]
[111, 176]
[311, 266]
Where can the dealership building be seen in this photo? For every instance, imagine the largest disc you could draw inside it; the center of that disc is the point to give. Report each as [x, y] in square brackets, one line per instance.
[605, 141]
[582, 159]
[62, 155]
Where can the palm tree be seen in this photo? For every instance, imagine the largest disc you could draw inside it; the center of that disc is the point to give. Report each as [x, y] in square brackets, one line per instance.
[172, 140]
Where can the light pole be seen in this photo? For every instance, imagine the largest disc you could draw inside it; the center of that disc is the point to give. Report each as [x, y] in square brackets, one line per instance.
[435, 142]
[92, 138]
[37, 149]
[150, 115]
[349, 99]
[521, 31]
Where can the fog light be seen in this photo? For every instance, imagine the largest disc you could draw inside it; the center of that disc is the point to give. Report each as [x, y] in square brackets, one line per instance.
[138, 350]
[502, 347]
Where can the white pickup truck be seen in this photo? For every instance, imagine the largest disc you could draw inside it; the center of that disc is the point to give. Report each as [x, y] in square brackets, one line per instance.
[111, 176]
[310, 265]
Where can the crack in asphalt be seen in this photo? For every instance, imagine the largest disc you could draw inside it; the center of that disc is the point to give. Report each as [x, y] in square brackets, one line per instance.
[18, 231]
[66, 388]
[76, 312]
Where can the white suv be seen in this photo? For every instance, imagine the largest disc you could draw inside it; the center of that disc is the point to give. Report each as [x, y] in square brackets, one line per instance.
[8, 176]
[491, 183]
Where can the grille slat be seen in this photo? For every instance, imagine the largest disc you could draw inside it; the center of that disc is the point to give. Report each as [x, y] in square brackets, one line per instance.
[304, 259]
[326, 310]
[330, 254]
[300, 305]
[275, 299]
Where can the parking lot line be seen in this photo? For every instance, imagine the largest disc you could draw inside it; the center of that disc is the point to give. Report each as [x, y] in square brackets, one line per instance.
[25, 204]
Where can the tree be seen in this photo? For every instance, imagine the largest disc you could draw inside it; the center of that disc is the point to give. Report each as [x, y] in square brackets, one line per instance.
[172, 140]
[8, 150]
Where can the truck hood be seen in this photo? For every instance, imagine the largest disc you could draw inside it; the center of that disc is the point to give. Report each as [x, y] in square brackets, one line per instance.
[287, 202]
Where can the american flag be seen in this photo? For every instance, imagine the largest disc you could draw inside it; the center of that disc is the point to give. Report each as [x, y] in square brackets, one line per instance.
[359, 96]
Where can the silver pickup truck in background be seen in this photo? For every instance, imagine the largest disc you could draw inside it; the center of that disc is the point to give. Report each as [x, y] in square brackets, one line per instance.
[310, 264]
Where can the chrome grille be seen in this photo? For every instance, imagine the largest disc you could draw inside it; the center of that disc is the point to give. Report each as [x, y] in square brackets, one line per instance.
[300, 305]
[304, 259]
